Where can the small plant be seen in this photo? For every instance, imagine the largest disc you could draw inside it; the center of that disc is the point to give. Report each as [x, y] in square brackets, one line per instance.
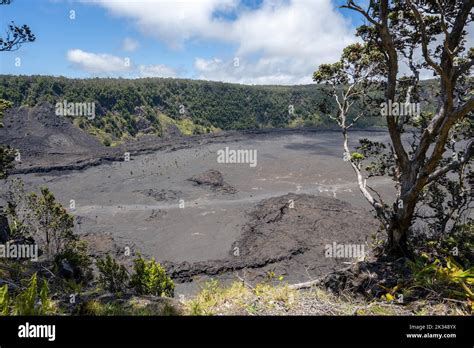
[446, 277]
[215, 298]
[113, 277]
[150, 279]
[357, 156]
[31, 301]
[391, 294]
[4, 300]
[271, 276]
[239, 298]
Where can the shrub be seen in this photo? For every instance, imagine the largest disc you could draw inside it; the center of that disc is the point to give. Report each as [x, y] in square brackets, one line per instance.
[7, 156]
[42, 219]
[107, 141]
[445, 277]
[28, 302]
[75, 254]
[113, 277]
[458, 243]
[54, 222]
[20, 216]
[445, 263]
[150, 279]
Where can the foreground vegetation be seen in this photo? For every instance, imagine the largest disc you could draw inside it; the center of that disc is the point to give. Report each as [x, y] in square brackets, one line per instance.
[65, 279]
[282, 299]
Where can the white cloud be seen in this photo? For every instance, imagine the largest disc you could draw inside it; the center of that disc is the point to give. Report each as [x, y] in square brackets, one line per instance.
[261, 71]
[173, 21]
[210, 65]
[98, 62]
[158, 70]
[290, 40]
[130, 45]
[279, 42]
[300, 28]
[102, 64]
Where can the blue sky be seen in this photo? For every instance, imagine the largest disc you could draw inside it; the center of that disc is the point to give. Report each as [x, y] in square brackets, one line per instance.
[247, 41]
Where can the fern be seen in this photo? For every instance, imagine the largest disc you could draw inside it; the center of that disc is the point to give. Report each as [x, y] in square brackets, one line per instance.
[32, 302]
[4, 300]
[25, 302]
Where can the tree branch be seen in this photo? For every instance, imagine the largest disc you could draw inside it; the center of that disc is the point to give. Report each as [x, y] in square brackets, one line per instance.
[424, 39]
[352, 6]
[469, 152]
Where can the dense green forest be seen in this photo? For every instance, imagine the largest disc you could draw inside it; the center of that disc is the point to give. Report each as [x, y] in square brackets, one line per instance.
[194, 106]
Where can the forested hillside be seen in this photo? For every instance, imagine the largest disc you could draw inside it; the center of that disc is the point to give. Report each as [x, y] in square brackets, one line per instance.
[127, 107]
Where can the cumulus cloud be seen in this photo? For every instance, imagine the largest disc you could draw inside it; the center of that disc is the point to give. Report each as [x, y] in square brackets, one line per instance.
[262, 71]
[98, 62]
[130, 45]
[208, 65]
[102, 64]
[281, 41]
[174, 21]
[158, 70]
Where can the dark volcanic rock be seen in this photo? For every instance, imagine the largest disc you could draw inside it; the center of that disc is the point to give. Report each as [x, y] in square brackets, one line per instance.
[66, 270]
[369, 278]
[51, 143]
[171, 131]
[4, 228]
[161, 195]
[144, 126]
[38, 131]
[214, 180]
[288, 240]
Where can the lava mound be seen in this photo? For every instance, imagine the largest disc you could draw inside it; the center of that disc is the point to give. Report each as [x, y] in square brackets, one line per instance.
[302, 224]
[288, 234]
[38, 131]
[213, 179]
